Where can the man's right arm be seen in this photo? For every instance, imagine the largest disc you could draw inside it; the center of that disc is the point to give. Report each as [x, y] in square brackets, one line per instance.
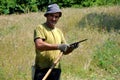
[41, 45]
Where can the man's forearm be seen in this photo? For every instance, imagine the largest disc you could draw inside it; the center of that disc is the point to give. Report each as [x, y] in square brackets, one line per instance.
[41, 45]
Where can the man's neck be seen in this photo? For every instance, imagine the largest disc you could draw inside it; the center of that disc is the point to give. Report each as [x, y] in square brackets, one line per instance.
[48, 25]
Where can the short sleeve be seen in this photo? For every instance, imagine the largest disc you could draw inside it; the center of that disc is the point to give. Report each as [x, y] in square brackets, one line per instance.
[39, 33]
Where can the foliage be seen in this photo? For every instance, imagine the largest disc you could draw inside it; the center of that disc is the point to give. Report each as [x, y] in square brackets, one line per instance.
[107, 57]
[6, 6]
[25, 6]
[17, 6]
[2, 74]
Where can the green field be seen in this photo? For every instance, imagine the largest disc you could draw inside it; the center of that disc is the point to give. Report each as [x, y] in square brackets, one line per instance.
[96, 59]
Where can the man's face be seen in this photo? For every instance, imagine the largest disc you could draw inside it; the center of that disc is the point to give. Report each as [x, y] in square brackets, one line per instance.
[52, 19]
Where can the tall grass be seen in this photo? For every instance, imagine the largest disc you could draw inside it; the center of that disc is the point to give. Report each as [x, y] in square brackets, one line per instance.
[95, 59]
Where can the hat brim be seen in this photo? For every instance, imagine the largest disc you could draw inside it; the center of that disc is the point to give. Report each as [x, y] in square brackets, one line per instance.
[51, 12]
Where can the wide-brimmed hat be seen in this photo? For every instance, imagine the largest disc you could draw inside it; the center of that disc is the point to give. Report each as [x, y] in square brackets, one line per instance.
[53, 8]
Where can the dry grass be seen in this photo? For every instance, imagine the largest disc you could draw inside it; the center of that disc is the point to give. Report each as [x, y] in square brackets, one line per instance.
[17, 46]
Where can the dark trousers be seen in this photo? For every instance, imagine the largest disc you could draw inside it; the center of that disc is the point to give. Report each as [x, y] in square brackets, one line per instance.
[54, 75]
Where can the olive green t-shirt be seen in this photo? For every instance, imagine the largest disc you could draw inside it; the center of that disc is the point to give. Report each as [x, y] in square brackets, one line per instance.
[45, 59]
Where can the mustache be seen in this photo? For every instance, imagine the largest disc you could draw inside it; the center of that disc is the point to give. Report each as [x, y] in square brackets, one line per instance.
[53, 22]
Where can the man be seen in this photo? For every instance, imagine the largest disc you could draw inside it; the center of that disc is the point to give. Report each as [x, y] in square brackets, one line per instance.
[49, 42]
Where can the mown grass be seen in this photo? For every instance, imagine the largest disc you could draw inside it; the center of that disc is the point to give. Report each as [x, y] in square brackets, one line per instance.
[95, 59]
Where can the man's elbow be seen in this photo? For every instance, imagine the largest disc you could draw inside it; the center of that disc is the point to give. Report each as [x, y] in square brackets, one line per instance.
[39, 47]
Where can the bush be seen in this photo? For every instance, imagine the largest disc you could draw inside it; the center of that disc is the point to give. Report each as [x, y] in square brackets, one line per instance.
[25, 6]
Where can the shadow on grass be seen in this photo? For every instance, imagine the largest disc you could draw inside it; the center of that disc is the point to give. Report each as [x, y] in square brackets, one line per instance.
[102, 21]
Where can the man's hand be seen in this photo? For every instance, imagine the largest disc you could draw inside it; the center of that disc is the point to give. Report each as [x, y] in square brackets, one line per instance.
[69, 50]
[66, 49]
[63, 47]
[74, 45]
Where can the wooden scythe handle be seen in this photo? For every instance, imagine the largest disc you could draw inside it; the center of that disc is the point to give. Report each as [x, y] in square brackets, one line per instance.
[54, 64]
